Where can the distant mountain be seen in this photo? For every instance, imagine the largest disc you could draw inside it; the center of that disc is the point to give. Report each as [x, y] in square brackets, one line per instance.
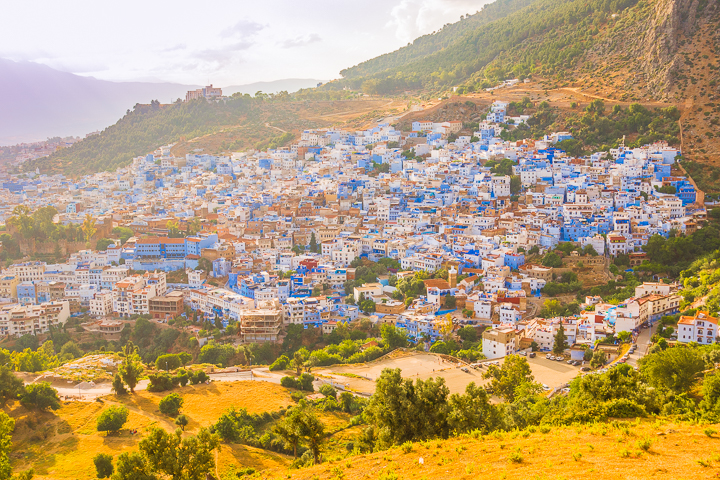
[289, 85]
[37, 101]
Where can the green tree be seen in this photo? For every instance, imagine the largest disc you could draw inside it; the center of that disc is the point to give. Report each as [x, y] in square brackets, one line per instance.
[181, 421]
[171, 404]
[560, 341]
[103, 465]
[118, 386]
[312, 431]
[298, 361]
[468, 334]
[168, 362]
[7, 426]
[132, 466]
[40, 396]
[288, 429]
[675, 368]
[131, 369]
[472, 411]
[313, 243]
[598, 359]
[189, 458]
[552, 259]
[393, 337]
[511, 378]
[11, 387]
[112, 419]
[88, 228]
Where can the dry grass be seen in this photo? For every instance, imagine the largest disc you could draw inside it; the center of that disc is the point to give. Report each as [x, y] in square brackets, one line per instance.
[563, 452]
[61, 445]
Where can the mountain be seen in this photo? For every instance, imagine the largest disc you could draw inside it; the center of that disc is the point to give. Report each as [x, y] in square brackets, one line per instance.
[288, 85]
[37, 101]
[621, 50]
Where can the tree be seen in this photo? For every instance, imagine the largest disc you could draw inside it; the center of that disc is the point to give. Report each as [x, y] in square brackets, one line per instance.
[598, 359]
[131, 368]
[40, 396]
[472, 411]
[7, 426]
[312, 430]
[552, 259]
[88, 228]
[132, 466]
[103, 465]
[112, 419]
[511, 378]
[392, 337]
[103, 244]
[313, 243]
[181, 421]
[675, 368]
[468, 334]
[560, 341]
[11, 387]
[168, 362]
[298, 361]
[515, 184]
[170, 404]
[189, 458]
[288, 429]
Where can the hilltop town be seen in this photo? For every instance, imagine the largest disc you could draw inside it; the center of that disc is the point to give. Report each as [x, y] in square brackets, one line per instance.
[459, 221]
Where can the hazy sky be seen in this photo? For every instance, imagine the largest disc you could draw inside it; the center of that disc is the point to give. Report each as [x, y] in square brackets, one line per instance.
[224, 42]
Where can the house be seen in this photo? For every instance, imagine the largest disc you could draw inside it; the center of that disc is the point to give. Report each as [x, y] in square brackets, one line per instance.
[499, 342]
[701, 328]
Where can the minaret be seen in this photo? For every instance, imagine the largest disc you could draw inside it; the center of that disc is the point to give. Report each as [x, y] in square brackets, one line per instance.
[452, 277]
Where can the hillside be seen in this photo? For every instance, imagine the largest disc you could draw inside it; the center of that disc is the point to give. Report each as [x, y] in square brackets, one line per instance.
[623, 50]
[603, 451]
[239, 123]
[428, 44]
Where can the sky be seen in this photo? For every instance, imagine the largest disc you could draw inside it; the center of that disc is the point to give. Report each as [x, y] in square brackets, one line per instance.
[220, 42]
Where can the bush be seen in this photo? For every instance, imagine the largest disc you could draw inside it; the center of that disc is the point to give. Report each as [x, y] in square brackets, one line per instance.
[103, 465]
[280, 364]
[118, 385]
[181, 421]
[40, 396]
[170, 361]
[407, 447]
[112, 419]
[644, 444]
[170, 404]
[289, 382]
[328, 391]
[161, 382]
[198, 376]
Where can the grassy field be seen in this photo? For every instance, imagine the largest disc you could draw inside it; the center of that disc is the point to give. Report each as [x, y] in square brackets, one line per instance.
[61, 444]
[619, 450]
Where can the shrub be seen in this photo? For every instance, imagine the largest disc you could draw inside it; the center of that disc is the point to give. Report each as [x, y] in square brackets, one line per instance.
[515, 457]
[161, 382]
[198, 376]
[709, 432]
[112, 419]
[280, 364]
[289, 382]
[406, 447]
[103, 465]
[544, 429]
[118, 385]
[40, 396]
[306, 382]
[181, 421]
[644, 444]
[170, 404]
[328, 391]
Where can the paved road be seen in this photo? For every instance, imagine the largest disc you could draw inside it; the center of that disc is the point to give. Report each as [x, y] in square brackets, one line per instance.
[643, 344]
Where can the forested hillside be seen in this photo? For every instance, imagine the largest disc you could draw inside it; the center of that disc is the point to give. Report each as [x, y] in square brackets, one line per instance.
[555, 39]
[436, 41]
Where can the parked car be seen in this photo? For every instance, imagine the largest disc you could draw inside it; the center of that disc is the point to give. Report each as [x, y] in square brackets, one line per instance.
[585, 369]
[559, 359]
[550, 357]
[523, 353]
[570, 362]
[545, 387]
[465, 369]
[531, 354]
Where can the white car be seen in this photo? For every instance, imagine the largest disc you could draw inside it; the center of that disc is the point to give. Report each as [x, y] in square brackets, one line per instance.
[545, 387]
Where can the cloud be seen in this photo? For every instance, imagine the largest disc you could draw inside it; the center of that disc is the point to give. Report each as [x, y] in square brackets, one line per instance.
[243, 28]
[224, 53]
[301, 41]
[413, 18]
[175, 48]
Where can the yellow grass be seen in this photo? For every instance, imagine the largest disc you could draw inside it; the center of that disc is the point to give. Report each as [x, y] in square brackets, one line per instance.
[61, 444]
[597, 452]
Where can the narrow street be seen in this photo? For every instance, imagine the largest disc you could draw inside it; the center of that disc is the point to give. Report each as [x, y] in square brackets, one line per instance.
[643, 344]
